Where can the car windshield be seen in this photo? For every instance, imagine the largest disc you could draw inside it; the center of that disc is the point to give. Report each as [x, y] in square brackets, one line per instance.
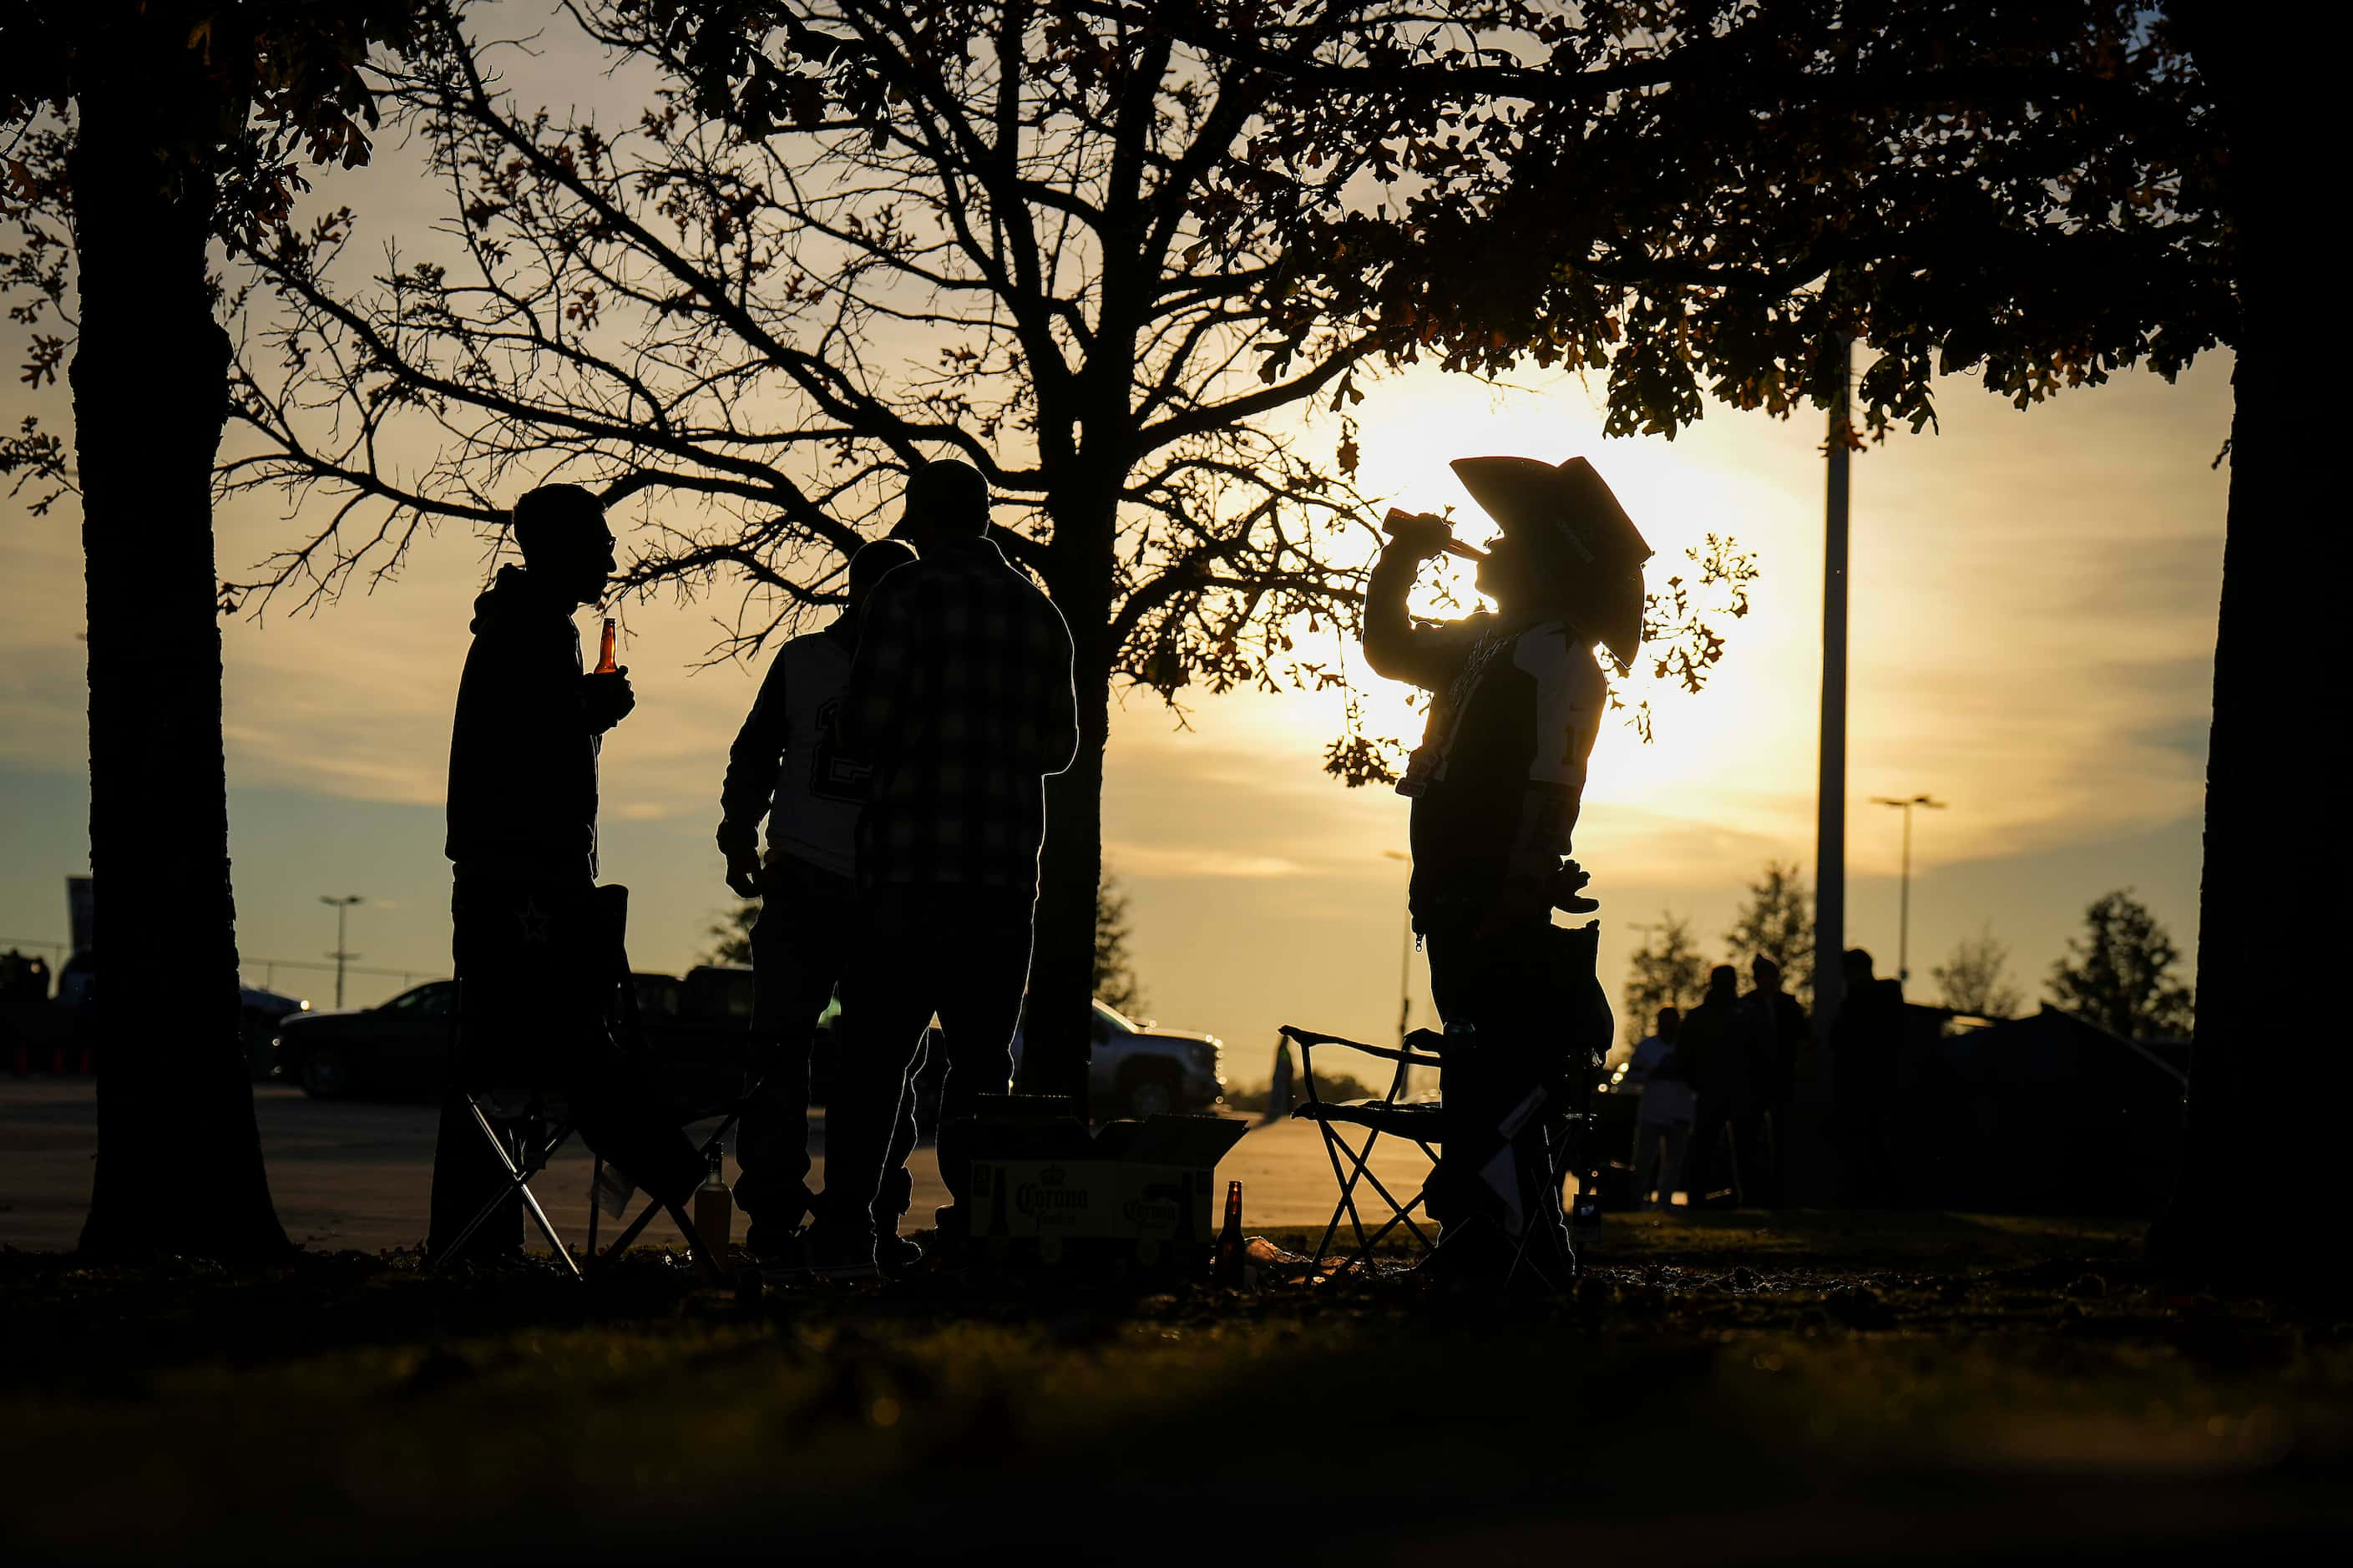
[1112, 1015]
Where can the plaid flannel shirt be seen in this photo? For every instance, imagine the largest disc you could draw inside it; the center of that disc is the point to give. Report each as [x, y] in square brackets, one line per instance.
[961, 699]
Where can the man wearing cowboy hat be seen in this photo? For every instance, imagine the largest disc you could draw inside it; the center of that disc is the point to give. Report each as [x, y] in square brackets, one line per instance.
[1517, 699]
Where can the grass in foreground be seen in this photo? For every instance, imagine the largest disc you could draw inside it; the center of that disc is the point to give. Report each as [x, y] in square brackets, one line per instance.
[1732, 1386]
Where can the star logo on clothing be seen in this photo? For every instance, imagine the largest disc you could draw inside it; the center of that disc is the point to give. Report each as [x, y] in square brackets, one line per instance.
[535, 921]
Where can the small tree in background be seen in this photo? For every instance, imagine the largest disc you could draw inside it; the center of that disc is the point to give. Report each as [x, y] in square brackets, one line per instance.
[1667, 971]
[732, 937]
[1116, 984]
[1778, 920]
[2119, 973]
[1971, 981]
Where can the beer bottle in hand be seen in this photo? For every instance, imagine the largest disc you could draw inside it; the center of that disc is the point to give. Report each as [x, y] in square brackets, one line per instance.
[1226, 1265]
[606, 660]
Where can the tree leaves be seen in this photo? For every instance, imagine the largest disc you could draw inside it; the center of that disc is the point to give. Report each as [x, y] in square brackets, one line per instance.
[2119, 973]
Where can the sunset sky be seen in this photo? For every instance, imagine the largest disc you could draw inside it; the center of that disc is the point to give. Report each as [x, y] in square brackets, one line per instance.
[2033, 625]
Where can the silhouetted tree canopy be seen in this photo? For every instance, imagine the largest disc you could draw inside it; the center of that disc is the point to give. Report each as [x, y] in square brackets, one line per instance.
[1973, 979]
[1777, 920]
[731, 935]
[1668, 970]
[1692, 199]
[2119, 973]
[1116, 981]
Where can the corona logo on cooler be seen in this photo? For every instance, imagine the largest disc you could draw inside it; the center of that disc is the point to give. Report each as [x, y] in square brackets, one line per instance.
[1151, 1213]
[1048, 1195]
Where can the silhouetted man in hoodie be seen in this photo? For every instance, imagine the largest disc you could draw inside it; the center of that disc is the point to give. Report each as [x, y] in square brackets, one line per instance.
[534, 965]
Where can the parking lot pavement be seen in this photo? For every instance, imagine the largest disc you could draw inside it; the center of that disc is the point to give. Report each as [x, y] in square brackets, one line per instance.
[355, 1174]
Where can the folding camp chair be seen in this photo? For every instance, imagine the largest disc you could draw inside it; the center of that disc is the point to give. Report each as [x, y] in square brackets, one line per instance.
[1414, 1120]
[526, 1123]
[1420, 1123]
[1562, 1097]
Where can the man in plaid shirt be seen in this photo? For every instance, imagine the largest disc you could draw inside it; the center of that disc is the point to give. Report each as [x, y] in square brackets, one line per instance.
[961, 700]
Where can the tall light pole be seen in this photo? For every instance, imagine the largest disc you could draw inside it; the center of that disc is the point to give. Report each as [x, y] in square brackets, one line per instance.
[1830, 821]
[1405, 956]
[343, 908]
[1904, 899]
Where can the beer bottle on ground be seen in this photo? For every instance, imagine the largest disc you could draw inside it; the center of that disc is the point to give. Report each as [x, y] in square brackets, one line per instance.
[1226, 1265]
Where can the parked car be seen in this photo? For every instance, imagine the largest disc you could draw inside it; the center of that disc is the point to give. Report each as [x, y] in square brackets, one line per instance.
[1140, 1069]
[693, 1030]
[397, 1049]
[1134, 1070]
[260, 1014]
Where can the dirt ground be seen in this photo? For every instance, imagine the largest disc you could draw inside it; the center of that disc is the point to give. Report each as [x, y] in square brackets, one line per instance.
[1720, 1388]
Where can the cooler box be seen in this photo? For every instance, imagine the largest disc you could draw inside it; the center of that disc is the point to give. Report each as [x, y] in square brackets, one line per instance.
[1143, 1190]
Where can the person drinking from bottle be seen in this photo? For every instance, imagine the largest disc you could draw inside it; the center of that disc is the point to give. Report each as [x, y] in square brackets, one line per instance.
[1517, 700]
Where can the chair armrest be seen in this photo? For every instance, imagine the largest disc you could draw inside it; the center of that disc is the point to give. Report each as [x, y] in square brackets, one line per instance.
[1308, 1039]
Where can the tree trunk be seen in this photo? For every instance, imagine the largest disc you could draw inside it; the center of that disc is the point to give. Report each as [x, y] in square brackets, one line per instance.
[2248, 1170]
[179, 1159]
[1057, 1028]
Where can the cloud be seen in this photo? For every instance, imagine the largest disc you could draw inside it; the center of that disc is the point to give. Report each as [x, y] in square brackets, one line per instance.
[1140, 860]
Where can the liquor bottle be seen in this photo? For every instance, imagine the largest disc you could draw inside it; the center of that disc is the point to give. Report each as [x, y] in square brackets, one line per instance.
[715, 1208]
[606, 661]
[1226, 1262]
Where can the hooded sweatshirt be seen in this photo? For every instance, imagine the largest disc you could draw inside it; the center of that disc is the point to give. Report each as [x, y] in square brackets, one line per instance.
[785, 765]
[522, 753]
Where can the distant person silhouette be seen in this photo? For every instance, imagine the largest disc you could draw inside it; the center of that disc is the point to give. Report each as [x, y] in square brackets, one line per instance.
[1774, 1024]
[787, 766]
[1281, 1083]
[24, 1008]
[961, 699]
[1865, 1041]
[1721, 1068]
[531, 946]
[1497, 782]
[1663, 1122]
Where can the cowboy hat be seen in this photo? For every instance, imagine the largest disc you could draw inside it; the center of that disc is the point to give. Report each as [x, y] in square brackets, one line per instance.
[1577, 531]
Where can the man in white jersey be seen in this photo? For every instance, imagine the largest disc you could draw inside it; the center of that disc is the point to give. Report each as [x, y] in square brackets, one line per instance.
[1518, 701]
[785, 767]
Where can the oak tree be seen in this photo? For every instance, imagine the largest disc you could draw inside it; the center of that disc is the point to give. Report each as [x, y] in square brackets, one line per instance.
[138, 136]
[841, 238]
